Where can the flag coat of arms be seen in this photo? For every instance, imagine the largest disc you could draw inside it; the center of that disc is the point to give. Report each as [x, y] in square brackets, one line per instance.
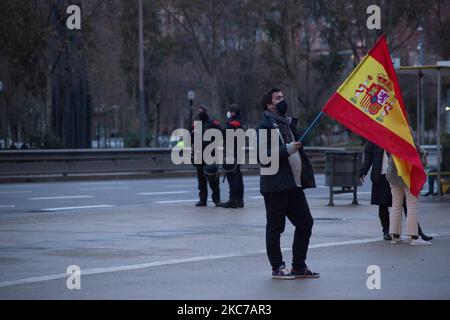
[369, 103]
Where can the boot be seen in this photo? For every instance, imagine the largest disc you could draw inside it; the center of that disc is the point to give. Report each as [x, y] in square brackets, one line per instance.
[201, 204]
[230, 204]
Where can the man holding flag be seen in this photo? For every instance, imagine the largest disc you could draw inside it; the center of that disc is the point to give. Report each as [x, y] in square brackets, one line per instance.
[283, 192]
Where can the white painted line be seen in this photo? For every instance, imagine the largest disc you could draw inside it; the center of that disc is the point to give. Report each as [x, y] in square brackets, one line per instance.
[174, 261]
[61, 197]
[13, 186]
[326, 187]
[7, 206]
[33, 280]
[340, 243]
[103, 188]
[176, 201]
[251, 189]
[180, 186]
[100, 183]
[326, 195]
[11, 192]
[80, 207]
[162, 193]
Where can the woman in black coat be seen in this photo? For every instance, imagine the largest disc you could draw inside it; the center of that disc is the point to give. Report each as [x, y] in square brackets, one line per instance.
[381, 191]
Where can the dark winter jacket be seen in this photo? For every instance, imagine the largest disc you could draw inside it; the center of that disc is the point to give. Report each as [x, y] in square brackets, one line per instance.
[373, 157]
[381, 191]
[208, 124]
[283, 179]
[234, 123]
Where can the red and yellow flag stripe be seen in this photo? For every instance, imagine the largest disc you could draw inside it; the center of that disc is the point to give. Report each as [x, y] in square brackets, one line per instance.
[369, 103]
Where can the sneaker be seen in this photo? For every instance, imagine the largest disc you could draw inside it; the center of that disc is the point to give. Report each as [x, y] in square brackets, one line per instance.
[419, 242]
[306, 273]
[396, 239]
[387, 237]
[240, 204]
[282, 273]
[218, 204]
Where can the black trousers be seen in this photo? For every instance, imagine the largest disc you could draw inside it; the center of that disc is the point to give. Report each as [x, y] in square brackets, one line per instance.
[383, 213]
[291, 203]
[203, 181]
[236, 184]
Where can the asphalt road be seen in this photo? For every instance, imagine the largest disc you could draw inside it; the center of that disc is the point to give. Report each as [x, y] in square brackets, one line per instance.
[144, 239]
[66, 196]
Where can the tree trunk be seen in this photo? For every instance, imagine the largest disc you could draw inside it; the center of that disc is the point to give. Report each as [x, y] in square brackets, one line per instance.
[67, 82]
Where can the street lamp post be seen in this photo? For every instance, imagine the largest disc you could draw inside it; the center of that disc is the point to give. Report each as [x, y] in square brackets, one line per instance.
[421, 98]
[191, 97]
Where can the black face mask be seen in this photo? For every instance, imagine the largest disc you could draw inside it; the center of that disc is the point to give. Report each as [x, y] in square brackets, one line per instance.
[203, 116]
[282, 107]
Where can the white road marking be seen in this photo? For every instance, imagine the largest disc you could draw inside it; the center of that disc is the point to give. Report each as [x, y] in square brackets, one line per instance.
[326, 195]
[326, 187]
[162, 193]
[176, 201]
[21, 186]
[180, 201]
[60, 197]
[7, 206]
[80, 207]
[175, 261]
[320, 196]
[251, 189]
[99, 183]
[180, 186]
[103, 188]
[10, 192]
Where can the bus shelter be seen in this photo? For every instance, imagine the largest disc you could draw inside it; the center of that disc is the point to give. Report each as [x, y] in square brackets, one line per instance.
[442, 72]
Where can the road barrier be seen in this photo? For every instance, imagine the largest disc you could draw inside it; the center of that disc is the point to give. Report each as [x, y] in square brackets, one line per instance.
[30, 165]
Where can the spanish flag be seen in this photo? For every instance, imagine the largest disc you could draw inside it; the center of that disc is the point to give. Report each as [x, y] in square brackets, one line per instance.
[369, 103]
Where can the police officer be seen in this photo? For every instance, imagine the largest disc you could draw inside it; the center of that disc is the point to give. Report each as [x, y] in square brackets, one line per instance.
[207, 173]
[233, 170]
